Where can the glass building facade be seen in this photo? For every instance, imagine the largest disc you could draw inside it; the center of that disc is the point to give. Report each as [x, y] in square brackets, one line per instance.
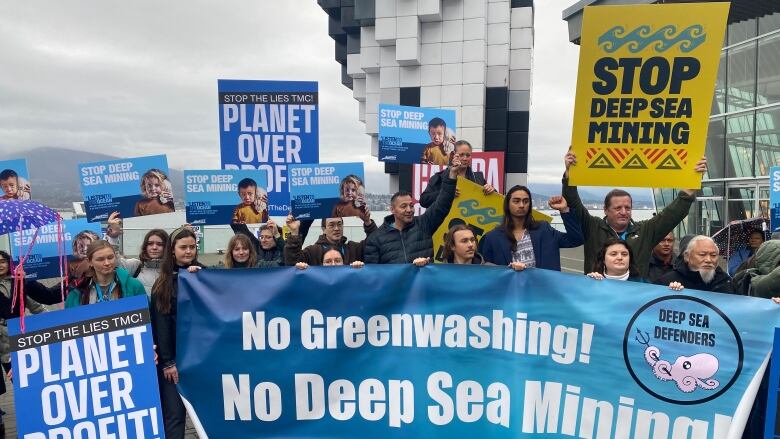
[743, 139]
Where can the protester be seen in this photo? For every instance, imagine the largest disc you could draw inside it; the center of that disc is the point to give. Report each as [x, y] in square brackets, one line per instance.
[331, 258]
[403, 237]
[332, 237]
[520, 238]
[699, 270]
[103, 281]
[764, 279]
[240, 253]
[269, 247]
[180, 253]
[615, 260]
[30, 305]
[662, 258]
[146, 268]
[157, 194]
[743, 253]
[462, 150]
[642, 236]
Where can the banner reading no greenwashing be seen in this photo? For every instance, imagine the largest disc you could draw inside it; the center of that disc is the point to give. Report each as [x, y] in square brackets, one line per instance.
[448, 351]
[644, 93]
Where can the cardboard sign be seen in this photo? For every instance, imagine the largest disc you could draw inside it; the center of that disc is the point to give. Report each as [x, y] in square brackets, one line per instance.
[644, 93]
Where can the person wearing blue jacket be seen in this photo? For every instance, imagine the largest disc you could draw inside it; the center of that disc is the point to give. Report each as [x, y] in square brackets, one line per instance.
[522, 239]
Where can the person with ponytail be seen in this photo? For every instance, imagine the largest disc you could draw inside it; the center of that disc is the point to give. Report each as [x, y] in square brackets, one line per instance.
[181, 253]
[102, 281]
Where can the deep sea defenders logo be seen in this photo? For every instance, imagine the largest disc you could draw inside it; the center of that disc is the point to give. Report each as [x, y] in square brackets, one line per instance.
[682, 350]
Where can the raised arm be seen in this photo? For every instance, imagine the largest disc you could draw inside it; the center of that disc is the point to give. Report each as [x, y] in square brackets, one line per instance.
[573, 236]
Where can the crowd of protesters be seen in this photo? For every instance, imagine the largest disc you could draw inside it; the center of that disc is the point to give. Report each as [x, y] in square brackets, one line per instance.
[615, 248]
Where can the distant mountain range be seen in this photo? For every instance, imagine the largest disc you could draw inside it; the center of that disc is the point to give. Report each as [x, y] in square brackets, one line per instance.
[55, 180]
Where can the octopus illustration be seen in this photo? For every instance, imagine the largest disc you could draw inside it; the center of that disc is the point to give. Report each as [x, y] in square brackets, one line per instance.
[688, 372]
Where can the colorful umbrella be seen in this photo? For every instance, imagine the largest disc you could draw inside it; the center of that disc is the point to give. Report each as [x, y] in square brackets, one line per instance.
[24, 215]
[20, 215]
[737, 234]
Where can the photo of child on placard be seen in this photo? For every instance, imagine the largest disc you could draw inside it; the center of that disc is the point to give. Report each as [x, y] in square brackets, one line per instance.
[416, 135]
[440, 149]
[14, 180]
[352, 195]
[253, 208]
[157, 192]
[327, 190]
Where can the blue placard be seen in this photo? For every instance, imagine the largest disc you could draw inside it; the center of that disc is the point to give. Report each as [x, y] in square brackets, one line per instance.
[464, 351]
[226, 197]
[43, 260]
[133, 187]
[269, 125]
[327, 190]
[774, 198]
[87, 372]
[416, 135]
[14, 180]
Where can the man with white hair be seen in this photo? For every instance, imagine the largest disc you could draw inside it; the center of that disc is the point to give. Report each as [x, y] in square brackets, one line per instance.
[700, 270]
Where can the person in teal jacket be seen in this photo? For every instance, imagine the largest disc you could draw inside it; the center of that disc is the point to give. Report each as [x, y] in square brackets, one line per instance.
[103, 281]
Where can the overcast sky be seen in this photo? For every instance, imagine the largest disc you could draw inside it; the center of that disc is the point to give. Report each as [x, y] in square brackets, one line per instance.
[140, 77]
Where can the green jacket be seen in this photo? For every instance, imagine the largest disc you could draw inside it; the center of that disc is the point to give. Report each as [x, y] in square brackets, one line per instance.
[641, 236]
[130, 287]
[765, 278]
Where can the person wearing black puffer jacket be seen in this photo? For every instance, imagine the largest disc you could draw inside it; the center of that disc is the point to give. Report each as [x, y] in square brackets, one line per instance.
[404, 237]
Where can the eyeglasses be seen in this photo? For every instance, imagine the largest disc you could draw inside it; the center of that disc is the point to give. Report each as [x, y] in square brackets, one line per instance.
[334, 226]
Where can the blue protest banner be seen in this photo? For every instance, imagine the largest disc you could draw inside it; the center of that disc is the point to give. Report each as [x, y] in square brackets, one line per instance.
[774, 198]
[226, 197]
[43, 261]
[133, 187]
[771, 427]
[87, 372]
[464, 351]
[416, 135]
[14, 180]
[269, 125]
[327, 190]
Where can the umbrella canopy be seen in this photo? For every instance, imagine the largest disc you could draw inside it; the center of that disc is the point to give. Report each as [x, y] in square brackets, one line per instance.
[737, 234]
[30, 213]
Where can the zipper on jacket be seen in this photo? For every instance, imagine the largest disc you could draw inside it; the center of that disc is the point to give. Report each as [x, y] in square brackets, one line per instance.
[403, 246]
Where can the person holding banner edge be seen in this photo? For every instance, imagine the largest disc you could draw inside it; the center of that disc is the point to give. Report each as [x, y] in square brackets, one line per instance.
[522, 240]
[403, 237]
[332, 237]
[463, 150]
[642, 236]
[181, 253]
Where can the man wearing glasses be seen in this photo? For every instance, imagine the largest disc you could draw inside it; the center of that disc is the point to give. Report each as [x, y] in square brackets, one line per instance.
[332, 238]
[463, 152]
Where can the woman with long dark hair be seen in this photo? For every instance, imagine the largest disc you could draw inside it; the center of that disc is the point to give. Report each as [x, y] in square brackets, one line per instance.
[181, 253]
[146, 268]
[522, 241]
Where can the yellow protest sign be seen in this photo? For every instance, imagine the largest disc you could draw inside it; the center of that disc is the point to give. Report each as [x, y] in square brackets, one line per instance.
[482, 213]
[644, 93]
